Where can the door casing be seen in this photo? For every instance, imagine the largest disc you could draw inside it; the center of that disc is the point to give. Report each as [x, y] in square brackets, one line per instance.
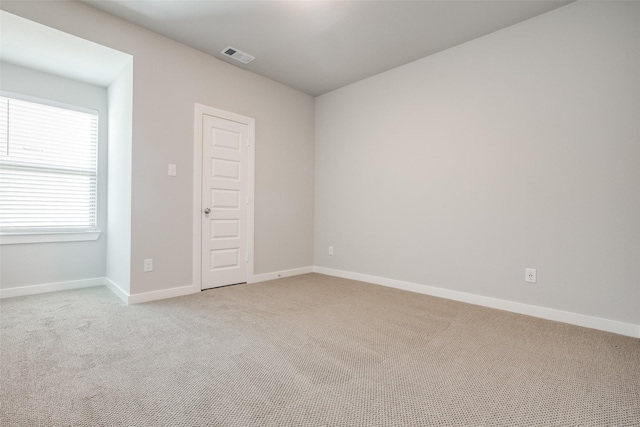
[199, 111]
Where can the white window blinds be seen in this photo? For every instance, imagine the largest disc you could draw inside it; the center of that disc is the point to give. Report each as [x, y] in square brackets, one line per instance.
[48, 167]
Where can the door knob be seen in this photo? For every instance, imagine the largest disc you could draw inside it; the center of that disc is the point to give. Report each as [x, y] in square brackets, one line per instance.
[207, 211]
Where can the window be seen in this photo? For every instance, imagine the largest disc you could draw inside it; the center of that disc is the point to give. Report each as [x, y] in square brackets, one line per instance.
[48, 168]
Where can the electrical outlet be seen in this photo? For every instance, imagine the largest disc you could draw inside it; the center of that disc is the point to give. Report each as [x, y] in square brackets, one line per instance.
[148, 265]
[173, 171]
[331, 250]
[530, 275]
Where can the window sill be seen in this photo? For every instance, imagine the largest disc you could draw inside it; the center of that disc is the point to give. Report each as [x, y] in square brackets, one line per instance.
[47, 237]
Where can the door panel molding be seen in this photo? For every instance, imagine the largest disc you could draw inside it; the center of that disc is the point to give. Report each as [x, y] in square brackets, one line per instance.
[199, 112]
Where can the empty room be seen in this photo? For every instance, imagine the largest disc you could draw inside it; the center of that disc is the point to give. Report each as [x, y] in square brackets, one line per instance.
[319, 213]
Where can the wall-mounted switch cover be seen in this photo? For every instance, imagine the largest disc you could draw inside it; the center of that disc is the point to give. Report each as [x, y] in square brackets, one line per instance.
[173, 170]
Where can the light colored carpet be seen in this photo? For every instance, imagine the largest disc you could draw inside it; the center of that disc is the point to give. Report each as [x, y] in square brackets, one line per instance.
[309, 350]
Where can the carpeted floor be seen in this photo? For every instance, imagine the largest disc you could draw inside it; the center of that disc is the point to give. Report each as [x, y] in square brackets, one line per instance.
[310, 350]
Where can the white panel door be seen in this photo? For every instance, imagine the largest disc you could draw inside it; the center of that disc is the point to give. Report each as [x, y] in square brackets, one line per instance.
[224, 202]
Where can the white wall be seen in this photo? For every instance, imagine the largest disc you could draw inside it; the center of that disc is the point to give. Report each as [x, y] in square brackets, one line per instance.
[518, 149]
[168, 78]
[118, 254]
[44, 263]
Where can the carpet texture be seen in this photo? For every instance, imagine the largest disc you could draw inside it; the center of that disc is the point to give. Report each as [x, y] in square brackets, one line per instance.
[310, 350]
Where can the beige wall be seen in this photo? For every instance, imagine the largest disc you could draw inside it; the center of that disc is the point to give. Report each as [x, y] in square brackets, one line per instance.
[168, 78]
[518, 149]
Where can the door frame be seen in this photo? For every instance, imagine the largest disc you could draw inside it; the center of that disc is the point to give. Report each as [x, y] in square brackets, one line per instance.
[199, 112]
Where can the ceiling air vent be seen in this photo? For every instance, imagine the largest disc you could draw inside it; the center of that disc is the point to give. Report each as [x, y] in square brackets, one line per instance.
[238, 55]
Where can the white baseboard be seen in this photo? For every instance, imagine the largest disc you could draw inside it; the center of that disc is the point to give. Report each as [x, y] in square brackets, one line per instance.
[117, 290]
[162, 294]
[280, 274]
[149, 296]
[50, 287]
[607, 325]
[99, 281]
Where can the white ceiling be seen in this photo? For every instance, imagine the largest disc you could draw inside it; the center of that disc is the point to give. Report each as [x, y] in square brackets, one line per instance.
[318, 46]
[32, 45]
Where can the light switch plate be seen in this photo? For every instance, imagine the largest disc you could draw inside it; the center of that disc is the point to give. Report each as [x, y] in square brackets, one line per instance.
[173, 170]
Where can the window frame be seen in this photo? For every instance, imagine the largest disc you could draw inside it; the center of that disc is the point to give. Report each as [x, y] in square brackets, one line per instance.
[48, 234]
